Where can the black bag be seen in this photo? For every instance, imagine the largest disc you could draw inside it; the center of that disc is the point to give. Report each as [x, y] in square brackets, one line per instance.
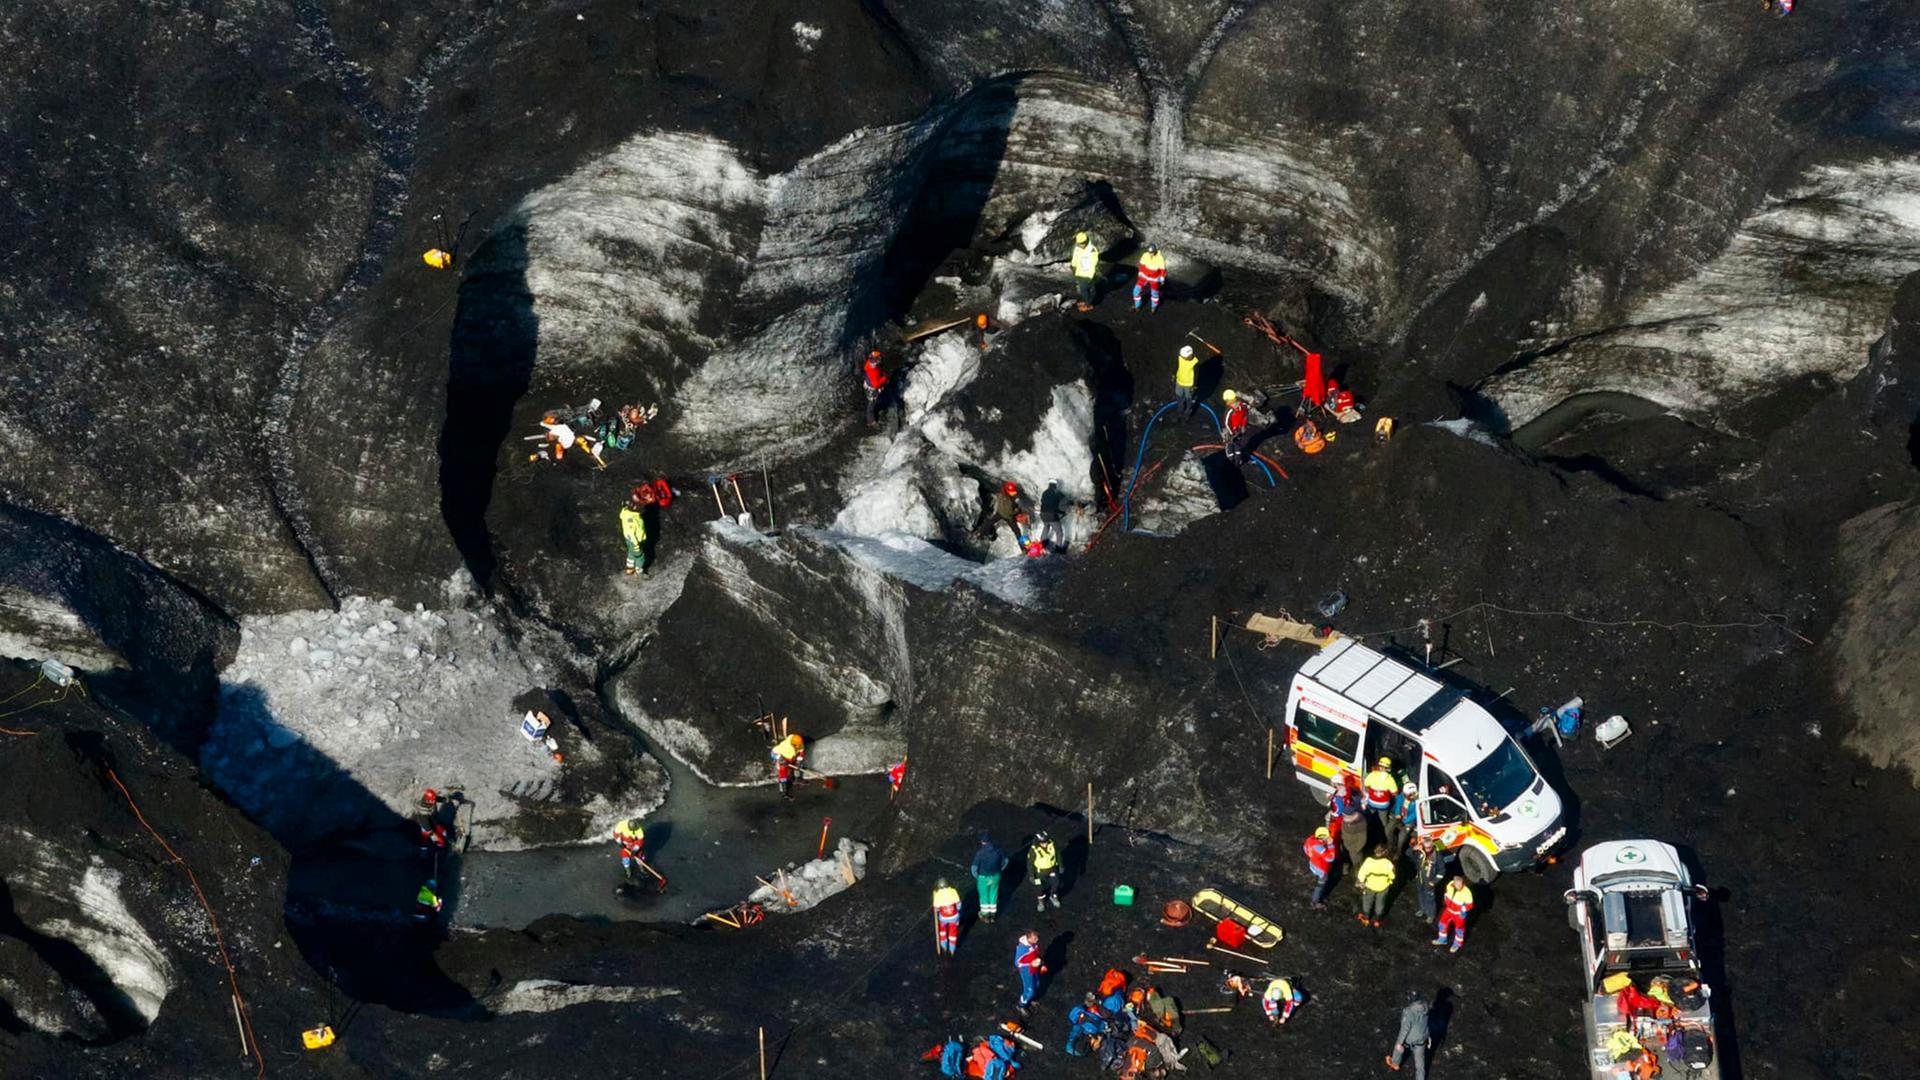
[1113, 1053]
[1696, 1048]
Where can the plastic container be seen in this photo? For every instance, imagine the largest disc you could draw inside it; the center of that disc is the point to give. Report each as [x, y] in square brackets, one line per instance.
[1123, 895]
[1230, 933]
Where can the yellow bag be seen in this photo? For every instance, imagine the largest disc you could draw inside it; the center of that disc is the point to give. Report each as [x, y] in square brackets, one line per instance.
[1616, 982]
[318, 1039]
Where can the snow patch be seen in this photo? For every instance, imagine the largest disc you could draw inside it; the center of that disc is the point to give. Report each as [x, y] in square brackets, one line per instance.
[359, 709]
[806, 35]
[924, 566]
[101, 926]
[551, 995]
[1466, 429]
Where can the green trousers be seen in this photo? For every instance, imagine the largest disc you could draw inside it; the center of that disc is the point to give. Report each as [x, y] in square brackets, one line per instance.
[989, 886]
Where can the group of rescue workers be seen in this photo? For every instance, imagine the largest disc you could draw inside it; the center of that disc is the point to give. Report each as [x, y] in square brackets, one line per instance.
[1129, 1026]
[1382, 804]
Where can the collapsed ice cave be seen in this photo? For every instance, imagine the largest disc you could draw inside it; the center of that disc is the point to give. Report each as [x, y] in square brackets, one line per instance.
[1634, 279]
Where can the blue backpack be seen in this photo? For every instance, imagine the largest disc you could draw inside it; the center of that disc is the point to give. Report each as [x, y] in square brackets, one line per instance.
[953, 1059]
[1002, 1054]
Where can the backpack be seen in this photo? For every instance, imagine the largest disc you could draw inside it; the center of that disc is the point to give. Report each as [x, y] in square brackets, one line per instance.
[1113, 1053]
[953, 1059]
[1696, 1048]
[1079, 1043]
[1113, 980]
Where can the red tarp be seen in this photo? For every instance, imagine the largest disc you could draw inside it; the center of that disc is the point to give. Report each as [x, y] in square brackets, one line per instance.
[1316, 388]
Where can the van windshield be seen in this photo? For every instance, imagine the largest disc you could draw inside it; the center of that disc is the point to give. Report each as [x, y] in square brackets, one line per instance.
[1499, 779]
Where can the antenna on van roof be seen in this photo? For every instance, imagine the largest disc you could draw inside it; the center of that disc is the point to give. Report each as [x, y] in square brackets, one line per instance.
[1426, 635]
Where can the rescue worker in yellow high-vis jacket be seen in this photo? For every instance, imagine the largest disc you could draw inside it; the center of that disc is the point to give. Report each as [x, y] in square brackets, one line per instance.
[1374, 877]
[633, 530]
[1184, 366]
[1086, 268]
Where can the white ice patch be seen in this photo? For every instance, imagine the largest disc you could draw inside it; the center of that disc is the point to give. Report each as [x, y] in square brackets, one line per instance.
[551, 995]
[807, 884]
[924, 566]
[101, 926]
[1062, 448]
[1465, 429]
[373, 696]
[806, 35]
[673, 203]
[1803, 287]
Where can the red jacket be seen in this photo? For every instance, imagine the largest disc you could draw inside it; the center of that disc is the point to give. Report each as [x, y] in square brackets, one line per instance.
[1321, 853]
[1027, 957]
[1153, 276]
[875, 377]
[1237, 419]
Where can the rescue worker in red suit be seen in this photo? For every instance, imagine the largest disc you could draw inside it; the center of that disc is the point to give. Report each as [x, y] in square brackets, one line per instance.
[433, 833]
[873, 379]
[946, 918]
[1234, 427]
[1323, 857]
[1152, 276]
[1458, 901]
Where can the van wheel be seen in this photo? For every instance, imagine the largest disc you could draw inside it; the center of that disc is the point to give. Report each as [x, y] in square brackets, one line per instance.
[1476, 866]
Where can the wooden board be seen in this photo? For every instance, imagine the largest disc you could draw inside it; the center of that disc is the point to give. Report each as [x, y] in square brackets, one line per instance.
[928, 329]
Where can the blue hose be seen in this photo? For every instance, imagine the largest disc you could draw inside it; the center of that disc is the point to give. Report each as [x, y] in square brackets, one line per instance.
[1126, 506]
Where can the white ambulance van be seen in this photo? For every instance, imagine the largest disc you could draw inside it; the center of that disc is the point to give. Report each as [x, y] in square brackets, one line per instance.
[1480, 794]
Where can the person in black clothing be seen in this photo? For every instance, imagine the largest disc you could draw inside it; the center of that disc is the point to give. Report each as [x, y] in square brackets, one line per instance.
[1053, 510]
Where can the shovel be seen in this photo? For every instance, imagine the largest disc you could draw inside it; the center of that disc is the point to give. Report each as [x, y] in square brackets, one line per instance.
[826, 781]
[746, 516]
[713, 484]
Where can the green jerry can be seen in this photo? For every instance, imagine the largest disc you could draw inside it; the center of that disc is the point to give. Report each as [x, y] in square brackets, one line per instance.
[1123, 895]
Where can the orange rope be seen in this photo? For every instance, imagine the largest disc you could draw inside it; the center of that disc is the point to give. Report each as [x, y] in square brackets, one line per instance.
[245, 1015]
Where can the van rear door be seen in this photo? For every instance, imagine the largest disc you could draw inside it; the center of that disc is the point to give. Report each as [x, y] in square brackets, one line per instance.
[1323, 743]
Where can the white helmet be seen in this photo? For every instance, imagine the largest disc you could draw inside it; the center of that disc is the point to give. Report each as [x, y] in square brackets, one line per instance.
[1186, 351]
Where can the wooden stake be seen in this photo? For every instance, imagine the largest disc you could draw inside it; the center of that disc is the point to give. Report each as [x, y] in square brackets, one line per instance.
[1213, 639]
[1089, 813]
[1210, 1009]
[1241, 955]
[1269, 753]
[234, 1000]
[1182, 960]
[763, 1054]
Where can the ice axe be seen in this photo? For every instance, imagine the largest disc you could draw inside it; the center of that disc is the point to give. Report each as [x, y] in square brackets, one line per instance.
[1215, 349]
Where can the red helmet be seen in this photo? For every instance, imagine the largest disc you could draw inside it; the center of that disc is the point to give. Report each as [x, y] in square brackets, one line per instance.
[1011, 488]
[430, 797]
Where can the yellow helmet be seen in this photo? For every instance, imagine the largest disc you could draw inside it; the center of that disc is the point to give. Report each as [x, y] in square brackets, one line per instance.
[1229, 396]
[1079, 238]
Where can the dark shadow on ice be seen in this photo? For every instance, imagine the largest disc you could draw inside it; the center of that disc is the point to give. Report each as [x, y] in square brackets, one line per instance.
[81, 974]
[490, 357]
[350, 899]
[943, 192]
[171, 639]
[1229, 484]
[1112, 399]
